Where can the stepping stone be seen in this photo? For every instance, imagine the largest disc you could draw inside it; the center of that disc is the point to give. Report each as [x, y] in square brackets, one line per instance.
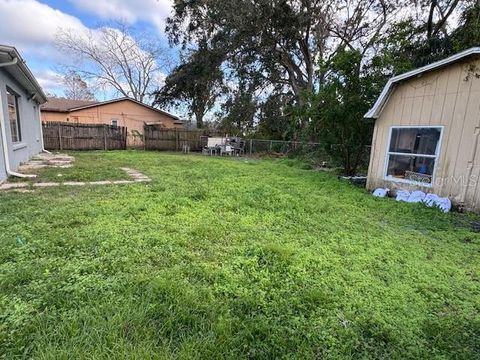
[136, 175]
[30, 167]
[106, 182]
[43, 160]
[8, 186]
[46, 184]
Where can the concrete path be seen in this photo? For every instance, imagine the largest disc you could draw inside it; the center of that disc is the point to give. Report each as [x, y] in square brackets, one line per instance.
[135, 175]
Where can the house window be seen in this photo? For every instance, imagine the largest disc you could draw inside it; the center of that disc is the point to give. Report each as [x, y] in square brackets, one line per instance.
[412, 154]
[13, 116]
[115, 122]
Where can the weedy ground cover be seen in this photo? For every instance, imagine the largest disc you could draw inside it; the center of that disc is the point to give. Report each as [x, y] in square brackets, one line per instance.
[231, 258]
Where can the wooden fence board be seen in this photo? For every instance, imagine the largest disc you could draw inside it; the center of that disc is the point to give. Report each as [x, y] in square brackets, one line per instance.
[69, 136]
[157, 138]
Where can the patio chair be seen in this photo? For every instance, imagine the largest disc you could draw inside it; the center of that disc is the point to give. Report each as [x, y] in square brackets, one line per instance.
[229, 150]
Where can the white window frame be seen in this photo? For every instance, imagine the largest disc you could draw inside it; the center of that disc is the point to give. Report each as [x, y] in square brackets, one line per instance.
[435, 157]
[114, 120]
[18, 122]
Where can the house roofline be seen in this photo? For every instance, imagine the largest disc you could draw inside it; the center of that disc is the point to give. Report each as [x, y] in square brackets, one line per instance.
[101, 103]
[21, 64]
[54, 110]
[377, 108]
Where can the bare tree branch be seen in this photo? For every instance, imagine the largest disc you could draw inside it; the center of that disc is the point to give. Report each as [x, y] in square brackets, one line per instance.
[115, 58]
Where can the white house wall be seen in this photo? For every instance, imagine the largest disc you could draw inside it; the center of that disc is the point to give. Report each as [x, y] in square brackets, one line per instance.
[29, 123]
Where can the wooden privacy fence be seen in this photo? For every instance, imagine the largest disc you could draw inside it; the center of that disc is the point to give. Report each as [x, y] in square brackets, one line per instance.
[157, 138]
[68, 136]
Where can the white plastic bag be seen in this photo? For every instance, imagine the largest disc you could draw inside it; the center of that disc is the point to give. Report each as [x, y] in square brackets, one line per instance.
[444, 204]
[431, 199]
[402, 195]
[380, 192]
[416, 196]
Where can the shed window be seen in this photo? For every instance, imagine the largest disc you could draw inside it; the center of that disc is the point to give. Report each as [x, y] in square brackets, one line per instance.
[13, 116]
[412, 154]
[115, 122]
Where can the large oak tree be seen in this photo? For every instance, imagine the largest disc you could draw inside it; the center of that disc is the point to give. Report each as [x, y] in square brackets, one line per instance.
[283, 40]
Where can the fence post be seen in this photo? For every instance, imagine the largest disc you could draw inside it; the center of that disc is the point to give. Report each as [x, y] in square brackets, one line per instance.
[251, 140]
[271, 145]
[176, 139]
[145, 135]
[60, 143]
[105, 137]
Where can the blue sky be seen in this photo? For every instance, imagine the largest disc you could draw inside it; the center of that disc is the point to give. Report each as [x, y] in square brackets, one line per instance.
[31, 25]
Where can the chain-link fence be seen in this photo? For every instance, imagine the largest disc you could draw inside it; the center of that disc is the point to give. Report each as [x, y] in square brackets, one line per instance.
[281, 147]
[156, 138]
[315, 153]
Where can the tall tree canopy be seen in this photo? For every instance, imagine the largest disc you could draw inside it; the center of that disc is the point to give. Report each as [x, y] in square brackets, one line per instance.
[280, 39]
[431, 32]
[196, 82]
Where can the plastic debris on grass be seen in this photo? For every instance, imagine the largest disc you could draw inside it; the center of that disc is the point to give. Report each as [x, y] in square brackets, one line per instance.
[381, 192]
[430, 200]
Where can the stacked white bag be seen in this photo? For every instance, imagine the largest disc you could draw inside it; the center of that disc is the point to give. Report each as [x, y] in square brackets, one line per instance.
[430, 200]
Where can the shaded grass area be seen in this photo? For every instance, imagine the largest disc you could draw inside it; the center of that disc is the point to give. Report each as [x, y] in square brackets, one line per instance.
[228, 258]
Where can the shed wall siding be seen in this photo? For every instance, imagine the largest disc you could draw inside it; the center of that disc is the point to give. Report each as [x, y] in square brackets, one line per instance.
[447, 98]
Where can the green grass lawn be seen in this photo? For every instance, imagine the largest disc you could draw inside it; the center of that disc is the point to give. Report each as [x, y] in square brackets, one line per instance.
[227, 258]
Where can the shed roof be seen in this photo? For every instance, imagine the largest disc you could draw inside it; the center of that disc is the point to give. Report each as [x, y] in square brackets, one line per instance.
[375, 111]
[21, 73]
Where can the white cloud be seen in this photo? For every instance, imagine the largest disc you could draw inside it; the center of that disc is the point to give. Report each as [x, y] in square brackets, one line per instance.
[31, 26]
[49, 80]
[159, 78]
[152, 11]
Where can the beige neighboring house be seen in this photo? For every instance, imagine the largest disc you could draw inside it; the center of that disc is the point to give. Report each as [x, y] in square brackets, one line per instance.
[427, 130]
[118, 112]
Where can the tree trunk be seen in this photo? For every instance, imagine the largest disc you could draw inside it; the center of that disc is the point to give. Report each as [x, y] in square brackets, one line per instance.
[199, 119]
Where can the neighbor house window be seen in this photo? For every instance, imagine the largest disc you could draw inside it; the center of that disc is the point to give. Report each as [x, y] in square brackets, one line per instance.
[412, 154]
[13, 116]
[114, 122]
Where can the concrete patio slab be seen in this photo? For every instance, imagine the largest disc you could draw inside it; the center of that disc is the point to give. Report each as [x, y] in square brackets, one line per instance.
[47, 160]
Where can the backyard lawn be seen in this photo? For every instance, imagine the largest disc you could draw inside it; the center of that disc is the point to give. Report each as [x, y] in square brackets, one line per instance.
[230, 258]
